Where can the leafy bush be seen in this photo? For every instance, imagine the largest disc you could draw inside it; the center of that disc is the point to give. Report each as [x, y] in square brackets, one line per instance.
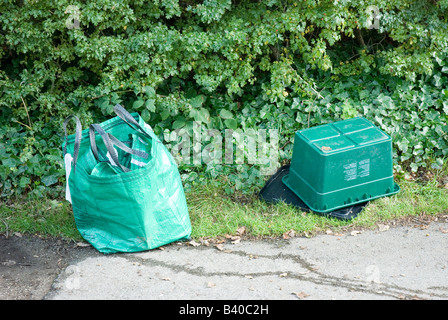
[283, 64]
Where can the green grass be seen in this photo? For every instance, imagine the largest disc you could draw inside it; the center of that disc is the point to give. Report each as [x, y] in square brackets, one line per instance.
[215, 214]
[44, 217]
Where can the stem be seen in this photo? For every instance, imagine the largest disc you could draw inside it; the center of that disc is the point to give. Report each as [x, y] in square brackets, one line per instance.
[27, 114]
[25, 125]
[358, 35]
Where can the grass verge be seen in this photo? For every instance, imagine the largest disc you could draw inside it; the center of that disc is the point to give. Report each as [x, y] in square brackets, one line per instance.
[215, 214]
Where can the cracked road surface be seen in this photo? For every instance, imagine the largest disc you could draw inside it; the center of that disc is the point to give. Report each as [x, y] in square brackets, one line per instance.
[407, 262]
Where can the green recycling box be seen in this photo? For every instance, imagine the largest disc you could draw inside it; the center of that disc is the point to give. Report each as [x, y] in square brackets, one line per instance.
[341, 164]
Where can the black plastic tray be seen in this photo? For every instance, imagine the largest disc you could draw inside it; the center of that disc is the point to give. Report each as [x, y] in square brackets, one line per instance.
[276, 191]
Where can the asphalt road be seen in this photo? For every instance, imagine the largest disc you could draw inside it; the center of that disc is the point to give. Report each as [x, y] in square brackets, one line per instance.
[396, 263]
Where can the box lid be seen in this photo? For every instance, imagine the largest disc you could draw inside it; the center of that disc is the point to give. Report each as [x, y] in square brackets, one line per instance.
[343, 135]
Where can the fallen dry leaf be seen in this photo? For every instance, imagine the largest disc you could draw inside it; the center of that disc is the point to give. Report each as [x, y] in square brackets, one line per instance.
[194, 243]
[289, 234]
[355, 232]
[241, 230]
[211, 284]
[443, 230]
[307, 235]
[383, 227]
[205, 243]
[415, 297]
[220, 247]
[282, 275]
[301, 295]
[82, 244]
[233, 238]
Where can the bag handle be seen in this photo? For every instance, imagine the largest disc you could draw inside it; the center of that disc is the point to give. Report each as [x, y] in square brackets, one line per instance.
[125, 148]
[112, 151]
[129, 119]
[78, 136]
[110, 141]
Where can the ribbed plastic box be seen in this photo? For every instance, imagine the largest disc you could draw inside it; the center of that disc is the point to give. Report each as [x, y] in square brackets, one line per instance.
[341, 164]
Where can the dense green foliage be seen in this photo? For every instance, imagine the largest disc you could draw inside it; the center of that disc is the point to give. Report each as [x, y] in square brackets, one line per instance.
[280, 64]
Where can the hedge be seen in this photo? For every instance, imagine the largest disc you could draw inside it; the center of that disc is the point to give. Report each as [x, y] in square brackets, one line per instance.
[272, 64]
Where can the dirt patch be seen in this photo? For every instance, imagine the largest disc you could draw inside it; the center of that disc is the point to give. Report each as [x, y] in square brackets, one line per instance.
[29, 265]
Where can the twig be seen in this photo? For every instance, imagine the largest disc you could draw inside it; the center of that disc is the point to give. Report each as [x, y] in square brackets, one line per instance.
[25, 125]
[287, 142]
[317, 93]
[368, 48]
[360, 38]
[28, 115]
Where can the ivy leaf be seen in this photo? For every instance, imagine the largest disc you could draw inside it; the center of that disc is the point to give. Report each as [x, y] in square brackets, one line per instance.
[438, 164]
[49, 180]
[445, 107]
[437, 80]
[104, 104]
[10, 162]
[146, 115]
[197, 101]
[225, 114]
[295, 103]
[115, 99]
[149, 91]
[179, 123]
[137, 104]
[165, 114]
[201, 115]
[24, 181]
[150, 105]
[231, 123]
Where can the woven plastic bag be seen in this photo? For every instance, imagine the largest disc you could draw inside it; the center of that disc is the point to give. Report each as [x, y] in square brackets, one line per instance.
[124, 186]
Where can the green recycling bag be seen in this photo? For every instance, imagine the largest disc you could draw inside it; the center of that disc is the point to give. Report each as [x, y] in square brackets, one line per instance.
[124, 186]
